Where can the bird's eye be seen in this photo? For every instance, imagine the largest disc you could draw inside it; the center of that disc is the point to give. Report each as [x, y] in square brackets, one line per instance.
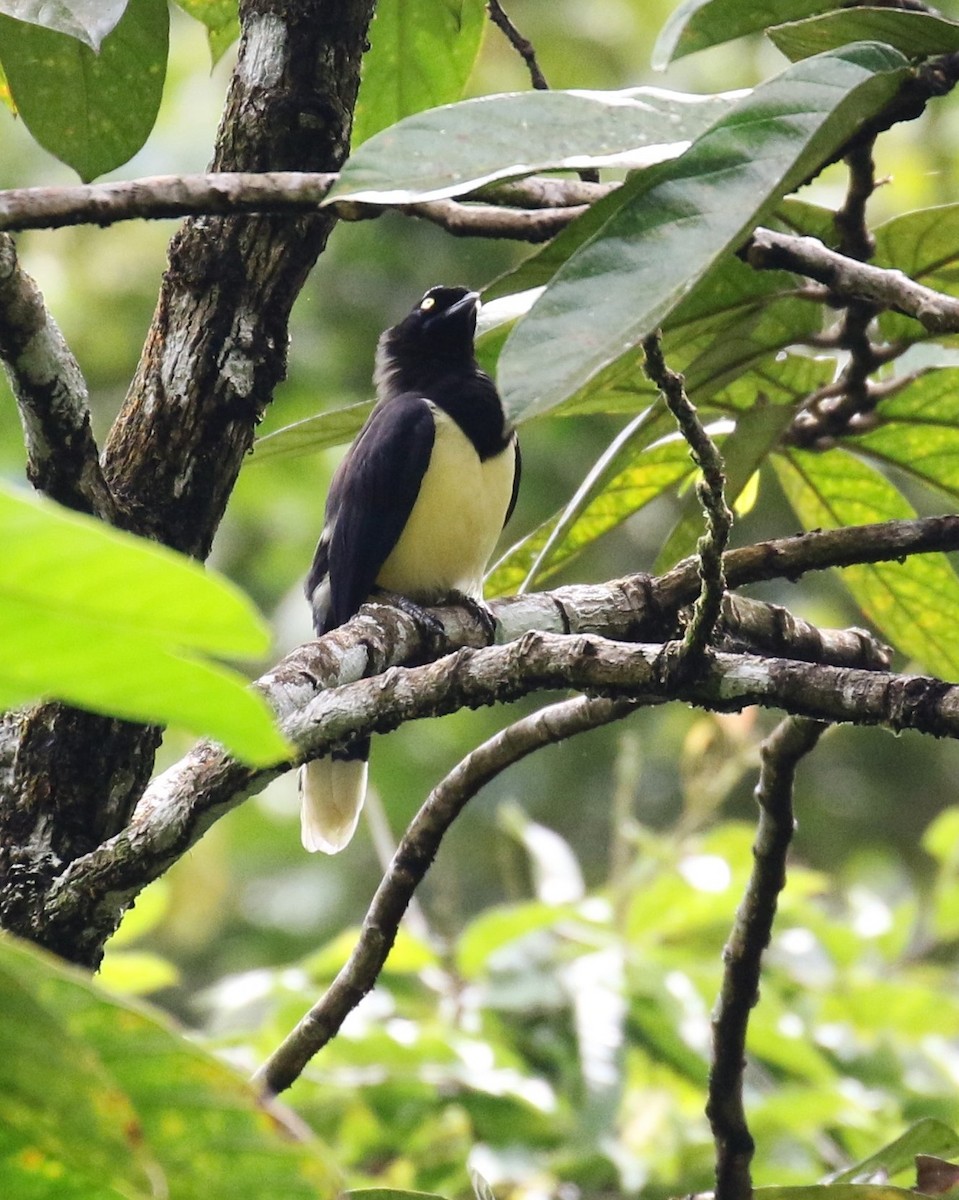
[427, 304]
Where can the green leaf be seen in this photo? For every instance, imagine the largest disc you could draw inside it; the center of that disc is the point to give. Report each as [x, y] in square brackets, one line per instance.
[113, 623]
[64, 1121]
[421, 54]
[101, 1098]
[326, 429]
[136, 972]
[835, 1191]
[89, 21]
[919, 430]
[744, 450]
[667, 227]
[93, 111]
[698, 24]
[913, 603]
[927, 1136]
[914, 34]
[635, 469]
[222, 21]
[451, 150]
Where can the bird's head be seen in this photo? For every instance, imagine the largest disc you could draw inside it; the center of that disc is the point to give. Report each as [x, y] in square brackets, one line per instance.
[441, 325]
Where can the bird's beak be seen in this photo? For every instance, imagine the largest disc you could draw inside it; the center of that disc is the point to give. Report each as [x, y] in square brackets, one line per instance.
[470, 301]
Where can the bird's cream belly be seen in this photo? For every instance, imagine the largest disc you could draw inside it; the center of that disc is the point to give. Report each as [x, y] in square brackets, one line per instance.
[455, 522]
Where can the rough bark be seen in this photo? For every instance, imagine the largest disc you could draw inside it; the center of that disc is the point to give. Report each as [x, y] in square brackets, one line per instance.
[214, 353]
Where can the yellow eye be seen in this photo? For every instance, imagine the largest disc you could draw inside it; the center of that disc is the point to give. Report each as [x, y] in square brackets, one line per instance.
[427, 304]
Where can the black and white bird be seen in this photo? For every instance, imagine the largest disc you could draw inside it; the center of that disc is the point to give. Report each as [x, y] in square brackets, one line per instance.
[415, 509]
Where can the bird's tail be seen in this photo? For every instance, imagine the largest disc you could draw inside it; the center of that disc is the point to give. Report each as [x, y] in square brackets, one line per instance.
[332, 791]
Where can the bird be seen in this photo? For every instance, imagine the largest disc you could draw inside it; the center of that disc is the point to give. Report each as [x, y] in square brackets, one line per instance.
[414, 510]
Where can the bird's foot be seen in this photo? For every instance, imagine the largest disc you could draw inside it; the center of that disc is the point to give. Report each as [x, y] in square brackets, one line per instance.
[422, 616]
[478, 609]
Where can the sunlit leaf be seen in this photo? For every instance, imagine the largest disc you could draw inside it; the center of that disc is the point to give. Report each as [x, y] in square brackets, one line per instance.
[222, 21]
[620, 485]
[451, 150]
[109, 1096]
[90, 21]
[119, 625]
[927, 1136]
[919, 430]
[698, 24]
[136, 972]
[92, 110]
[835, 1191]
[668, 226]
[63, 1117]
[913, 33]
[912, 603]
[421, 55]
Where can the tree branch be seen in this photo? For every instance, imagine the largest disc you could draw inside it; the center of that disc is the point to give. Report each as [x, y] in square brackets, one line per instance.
[790, 741]
[236, 192]
[412, 860]
[852, 280]
[87, 899]
[51, 394]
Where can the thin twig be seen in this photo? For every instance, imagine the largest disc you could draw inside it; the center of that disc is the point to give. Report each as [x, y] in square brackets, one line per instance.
[712, 493]
[51, 393]
[413, 857]
[523, 46]
[525, 49]
[781, 751]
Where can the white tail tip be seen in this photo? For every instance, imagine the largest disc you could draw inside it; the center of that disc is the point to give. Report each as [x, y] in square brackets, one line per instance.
[332, 792]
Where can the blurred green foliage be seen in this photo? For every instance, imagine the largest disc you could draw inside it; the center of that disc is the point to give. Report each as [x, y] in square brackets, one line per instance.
[544, 1020]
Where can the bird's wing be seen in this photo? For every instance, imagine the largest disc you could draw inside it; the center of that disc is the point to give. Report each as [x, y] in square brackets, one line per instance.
[517, 472]
[371, 498]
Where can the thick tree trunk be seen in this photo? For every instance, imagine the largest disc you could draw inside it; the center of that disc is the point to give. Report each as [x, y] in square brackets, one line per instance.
[214, 353]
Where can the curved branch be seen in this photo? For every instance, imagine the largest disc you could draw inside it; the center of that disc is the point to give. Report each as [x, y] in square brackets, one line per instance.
[372, 693]
[412, 859]
[781, 752]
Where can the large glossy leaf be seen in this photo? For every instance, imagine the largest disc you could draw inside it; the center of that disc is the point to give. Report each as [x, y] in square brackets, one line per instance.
[916, 34]
[451, 150]
[119, 625]
[914, 603]
[222, 21]
[669, 226]
[93, 111]
[919, 430]
[102, 1099]
[421, 55]
[727, 326]
[87, 20]
[697, 24]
